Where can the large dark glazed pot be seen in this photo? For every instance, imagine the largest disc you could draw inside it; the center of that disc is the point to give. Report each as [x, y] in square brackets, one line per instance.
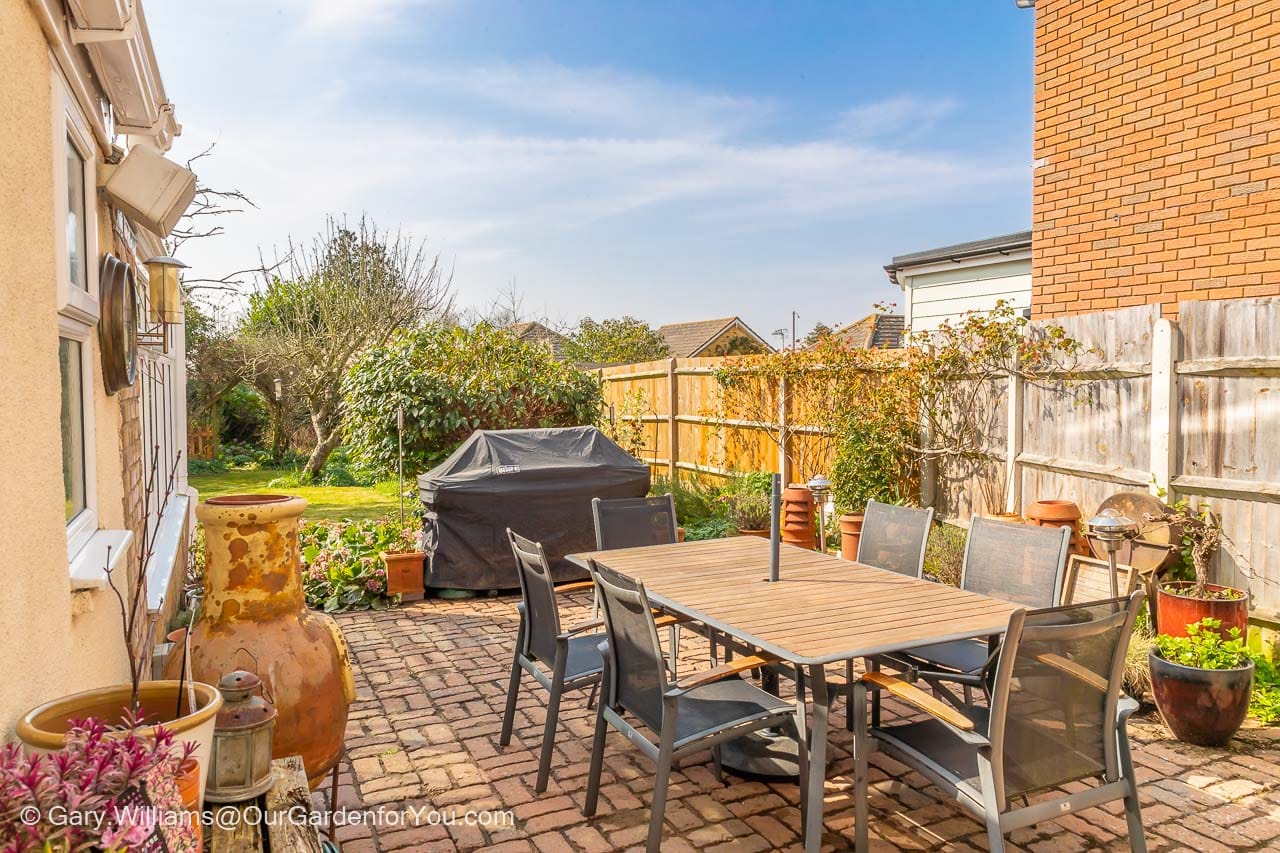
[1178, 608]
[1201, 706]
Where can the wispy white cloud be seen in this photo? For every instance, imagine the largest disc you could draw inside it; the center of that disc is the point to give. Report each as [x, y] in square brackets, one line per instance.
[351, 17]
[597, 99]
[890, 116]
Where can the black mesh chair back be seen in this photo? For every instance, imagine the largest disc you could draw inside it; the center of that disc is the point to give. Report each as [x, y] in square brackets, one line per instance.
[634, 522]
[542, 616]
[635, 667]
[1020, 563]
[894, 538]
[1054, 696]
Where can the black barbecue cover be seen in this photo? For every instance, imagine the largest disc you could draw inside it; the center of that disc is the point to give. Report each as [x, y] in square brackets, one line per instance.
[538, 482]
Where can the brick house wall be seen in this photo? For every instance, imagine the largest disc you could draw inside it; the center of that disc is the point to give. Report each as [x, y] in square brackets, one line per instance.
[1157, 146]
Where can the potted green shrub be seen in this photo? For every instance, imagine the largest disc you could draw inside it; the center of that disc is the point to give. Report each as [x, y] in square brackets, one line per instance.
[1202, 682]
[750, 513]
[1180, 603]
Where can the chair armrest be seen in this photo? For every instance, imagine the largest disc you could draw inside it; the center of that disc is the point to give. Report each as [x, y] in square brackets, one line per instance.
[583, 627]
[724, 670]
[1075, 670]
[913, 695]
[669, 619]
[575, 586]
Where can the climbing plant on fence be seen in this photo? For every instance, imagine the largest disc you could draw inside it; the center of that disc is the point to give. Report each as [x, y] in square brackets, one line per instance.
[452, 381]
[877, 416]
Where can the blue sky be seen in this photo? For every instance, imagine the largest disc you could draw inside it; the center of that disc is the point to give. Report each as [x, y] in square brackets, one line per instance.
[674, 161]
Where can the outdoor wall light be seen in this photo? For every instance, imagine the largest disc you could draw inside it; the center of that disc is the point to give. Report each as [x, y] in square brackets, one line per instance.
[165, 289]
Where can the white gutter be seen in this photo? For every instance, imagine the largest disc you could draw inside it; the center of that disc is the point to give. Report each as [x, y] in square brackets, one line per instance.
[114, 36]
[62, 55]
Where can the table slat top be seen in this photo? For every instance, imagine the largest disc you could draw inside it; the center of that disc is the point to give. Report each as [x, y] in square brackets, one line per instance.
[822, 609]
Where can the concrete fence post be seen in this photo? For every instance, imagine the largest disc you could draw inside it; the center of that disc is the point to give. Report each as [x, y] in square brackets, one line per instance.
[1166, 351]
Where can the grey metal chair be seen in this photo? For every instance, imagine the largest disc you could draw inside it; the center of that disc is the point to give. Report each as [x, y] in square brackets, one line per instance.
[636, 523]
[691, 714]
[894, 538]
[1055, 716]
[572, 655]
[1019, 563]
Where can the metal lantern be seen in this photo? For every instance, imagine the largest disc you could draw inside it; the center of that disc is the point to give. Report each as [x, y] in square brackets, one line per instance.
[165, 289]
[1112, 530]
[240, 766]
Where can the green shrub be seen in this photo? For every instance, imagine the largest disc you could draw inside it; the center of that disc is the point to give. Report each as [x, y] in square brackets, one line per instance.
[693, 498]
[206, 466]
[874, 461]
[1204, 647]
[342, 569]
[452, 381]
[944, 554]
[243, 415]
[713, 527]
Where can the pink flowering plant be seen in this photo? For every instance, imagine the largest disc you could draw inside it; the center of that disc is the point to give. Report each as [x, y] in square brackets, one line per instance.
[342, 564]
[85, 796]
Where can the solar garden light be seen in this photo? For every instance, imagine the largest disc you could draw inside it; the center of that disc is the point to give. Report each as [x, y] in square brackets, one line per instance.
[1112, 530]
[821, 488]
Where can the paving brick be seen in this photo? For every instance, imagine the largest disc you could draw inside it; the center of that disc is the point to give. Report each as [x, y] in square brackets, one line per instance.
[443, 754]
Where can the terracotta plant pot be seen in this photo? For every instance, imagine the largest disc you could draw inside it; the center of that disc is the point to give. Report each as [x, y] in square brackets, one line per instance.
[760, 534]
[44, 729]
[1059, 514]
[850, 535]
[1176, 609]
[1201, 706]
[190, 780]
[797, 517]
[253, 602]
[404, 574]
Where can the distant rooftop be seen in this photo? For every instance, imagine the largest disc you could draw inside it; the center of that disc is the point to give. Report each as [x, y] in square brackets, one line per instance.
[688, 339]
[874, 331]
[535, 333]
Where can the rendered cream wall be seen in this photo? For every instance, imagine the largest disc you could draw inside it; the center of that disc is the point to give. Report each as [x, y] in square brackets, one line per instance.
[45, 651]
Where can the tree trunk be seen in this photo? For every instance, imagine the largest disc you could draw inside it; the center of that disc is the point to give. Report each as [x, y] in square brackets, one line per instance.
[324, 446]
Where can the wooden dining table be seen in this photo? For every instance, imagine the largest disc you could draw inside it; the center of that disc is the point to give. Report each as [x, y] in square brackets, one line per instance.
[821, 610]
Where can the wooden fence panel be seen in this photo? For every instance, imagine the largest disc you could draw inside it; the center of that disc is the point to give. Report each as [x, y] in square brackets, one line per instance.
[1087, 440]
[1230, 429]
[1194, 405]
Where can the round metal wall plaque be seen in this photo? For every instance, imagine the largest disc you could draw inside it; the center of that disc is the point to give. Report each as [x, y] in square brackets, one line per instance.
[118, 326]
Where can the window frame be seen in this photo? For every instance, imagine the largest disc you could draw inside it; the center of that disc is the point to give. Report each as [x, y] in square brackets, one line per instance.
[84, 524]
[78, 308]
[70, 128]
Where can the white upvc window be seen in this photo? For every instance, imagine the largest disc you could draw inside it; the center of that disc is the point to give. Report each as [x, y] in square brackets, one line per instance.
[75, 226]
[76, 254]
[75, 368]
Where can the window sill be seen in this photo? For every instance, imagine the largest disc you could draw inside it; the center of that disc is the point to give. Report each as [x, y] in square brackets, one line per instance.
[168, 545]
[90, 564]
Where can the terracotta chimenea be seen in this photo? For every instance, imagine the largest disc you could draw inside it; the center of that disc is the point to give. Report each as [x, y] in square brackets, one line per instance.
[253, 600]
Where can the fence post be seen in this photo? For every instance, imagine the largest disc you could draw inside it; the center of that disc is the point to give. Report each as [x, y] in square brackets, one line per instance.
[1166, 350]
[1013, 445]
[673, 435]
[784, 431]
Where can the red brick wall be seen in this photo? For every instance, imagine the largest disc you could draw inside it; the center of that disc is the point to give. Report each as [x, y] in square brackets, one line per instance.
[1157, 145]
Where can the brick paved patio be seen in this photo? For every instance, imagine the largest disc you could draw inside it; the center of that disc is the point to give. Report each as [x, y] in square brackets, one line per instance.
[423, 733]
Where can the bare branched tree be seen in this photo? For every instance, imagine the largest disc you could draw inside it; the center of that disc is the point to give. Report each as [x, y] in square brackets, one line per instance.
[346, 292]
[205, 218]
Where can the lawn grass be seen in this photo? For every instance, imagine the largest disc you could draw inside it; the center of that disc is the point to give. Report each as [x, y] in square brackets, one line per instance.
[327, 502]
